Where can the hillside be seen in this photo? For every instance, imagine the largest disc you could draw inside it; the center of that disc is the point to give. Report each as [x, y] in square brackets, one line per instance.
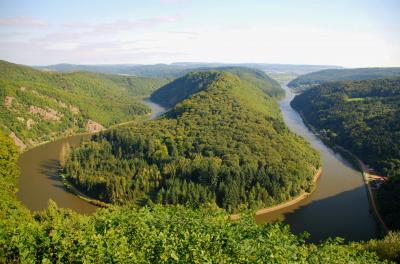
[191, 83]
[309, 80]
[226, 143]
[157, 234]
[364, 117]
[38, 106]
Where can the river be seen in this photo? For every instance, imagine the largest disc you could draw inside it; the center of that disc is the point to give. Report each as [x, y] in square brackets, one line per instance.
[338, 207]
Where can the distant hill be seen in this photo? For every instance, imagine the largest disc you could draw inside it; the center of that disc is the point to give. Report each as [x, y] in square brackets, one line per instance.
[191, 83]
[156, 70]
[37, 106]
[179, 69]
[309, 80]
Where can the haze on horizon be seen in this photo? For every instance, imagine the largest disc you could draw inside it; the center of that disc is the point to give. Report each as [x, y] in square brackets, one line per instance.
[350, 33]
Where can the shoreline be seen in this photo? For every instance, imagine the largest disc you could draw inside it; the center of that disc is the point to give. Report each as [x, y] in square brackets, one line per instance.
[283, 205]
[371, 197]
[359, 164]
[293, 201]
[72, 189]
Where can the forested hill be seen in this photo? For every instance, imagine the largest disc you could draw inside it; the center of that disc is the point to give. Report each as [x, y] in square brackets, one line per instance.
[38, 106]
[364, 117]
[225, 144]
[194, 82]
[309, 80]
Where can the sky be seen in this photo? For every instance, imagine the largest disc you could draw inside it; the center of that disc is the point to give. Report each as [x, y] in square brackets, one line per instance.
[349, 33]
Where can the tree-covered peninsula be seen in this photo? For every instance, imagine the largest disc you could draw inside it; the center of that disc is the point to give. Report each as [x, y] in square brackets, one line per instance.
[225, 144]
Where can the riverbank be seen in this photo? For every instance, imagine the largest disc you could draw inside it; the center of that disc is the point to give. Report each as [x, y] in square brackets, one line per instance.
[287, 203]
[293, 201]
[71, 188]
[360, 166]
[372, 197]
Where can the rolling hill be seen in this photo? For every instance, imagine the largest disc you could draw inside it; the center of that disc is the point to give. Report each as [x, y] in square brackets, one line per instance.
[178, 69]
[184, 87]
[38, 106]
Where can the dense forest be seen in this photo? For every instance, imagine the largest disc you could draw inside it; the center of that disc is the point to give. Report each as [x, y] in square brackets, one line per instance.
[40, 106]
[363, 117]
[226, 143]
[309, 80]
[158, 234]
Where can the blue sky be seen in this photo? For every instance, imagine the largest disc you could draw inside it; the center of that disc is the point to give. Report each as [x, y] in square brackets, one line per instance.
[350, 33]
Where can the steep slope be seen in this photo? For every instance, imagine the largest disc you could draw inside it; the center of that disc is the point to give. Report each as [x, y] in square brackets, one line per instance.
[309, 80]
[226, 143]
[364, 117]
[37, 106]
[191, 83]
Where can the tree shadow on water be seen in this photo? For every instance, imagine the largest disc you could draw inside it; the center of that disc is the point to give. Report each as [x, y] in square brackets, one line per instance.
[50, 168]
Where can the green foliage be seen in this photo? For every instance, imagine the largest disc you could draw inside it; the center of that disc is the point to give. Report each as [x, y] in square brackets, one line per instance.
[158, 234]
[364, 117]
[256, 78]
[226, 144]
[309, 80]
[70, 99]
[388, 198]
[386, 248]
[194, 82]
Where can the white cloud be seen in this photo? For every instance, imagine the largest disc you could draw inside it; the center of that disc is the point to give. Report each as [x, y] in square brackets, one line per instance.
[257, 44]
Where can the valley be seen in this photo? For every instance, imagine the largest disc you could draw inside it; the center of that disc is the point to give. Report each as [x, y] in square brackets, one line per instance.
[181, 158]
[177, 131]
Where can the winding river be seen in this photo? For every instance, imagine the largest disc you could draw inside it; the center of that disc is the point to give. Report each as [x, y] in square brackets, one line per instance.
[338, 207]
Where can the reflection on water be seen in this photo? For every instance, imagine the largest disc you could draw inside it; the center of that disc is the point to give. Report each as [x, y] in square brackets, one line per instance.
[339, 206]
